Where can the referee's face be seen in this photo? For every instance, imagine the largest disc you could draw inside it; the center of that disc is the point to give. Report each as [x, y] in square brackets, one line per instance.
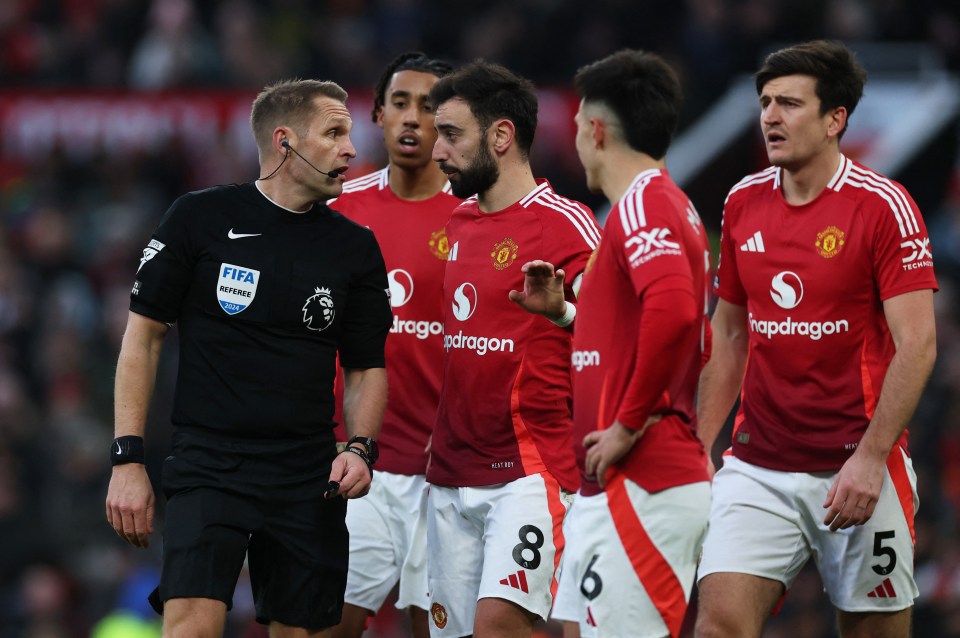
[328, 148]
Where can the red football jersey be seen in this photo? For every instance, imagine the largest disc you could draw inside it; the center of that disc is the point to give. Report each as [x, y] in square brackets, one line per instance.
[505, 401]
[414, 244]
[813, 279]
[653, 232]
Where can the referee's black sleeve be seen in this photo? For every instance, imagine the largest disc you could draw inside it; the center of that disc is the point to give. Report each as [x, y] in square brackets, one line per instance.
[166, 267]
[368, 311]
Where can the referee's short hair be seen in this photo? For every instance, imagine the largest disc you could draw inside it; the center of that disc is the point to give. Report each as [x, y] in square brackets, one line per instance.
[289, 103]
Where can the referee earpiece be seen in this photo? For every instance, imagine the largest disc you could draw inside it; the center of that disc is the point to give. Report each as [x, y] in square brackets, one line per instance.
[284, 143]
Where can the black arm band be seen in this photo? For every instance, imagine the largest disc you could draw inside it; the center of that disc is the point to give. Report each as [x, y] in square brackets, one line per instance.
[126, 449]
[362, 455]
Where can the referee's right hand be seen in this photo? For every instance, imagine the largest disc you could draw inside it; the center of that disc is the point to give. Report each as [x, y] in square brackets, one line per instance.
[130, 504]
[352, 473]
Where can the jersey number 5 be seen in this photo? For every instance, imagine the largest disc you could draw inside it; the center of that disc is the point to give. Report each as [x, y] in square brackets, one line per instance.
[880, 550]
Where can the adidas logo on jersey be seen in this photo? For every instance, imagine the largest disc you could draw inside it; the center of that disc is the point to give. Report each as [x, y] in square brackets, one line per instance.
[517, 581]
[883, 590]
[754, 244]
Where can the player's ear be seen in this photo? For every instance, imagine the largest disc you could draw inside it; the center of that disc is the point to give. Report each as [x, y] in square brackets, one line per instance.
[503, 133]
[836, 121]
[380, 116]
[599, 131]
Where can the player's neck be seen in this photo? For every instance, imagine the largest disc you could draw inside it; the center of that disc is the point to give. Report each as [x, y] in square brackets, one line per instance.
[802, 185]
[416, 184]
[621, 169]
[515, 181]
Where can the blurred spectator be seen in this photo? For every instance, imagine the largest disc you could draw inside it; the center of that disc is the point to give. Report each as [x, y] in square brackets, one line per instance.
[133, 617]
[175, 51]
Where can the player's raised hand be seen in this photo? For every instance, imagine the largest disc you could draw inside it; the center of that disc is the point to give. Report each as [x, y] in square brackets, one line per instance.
[542, 292]
[130, 503]
[853, 496]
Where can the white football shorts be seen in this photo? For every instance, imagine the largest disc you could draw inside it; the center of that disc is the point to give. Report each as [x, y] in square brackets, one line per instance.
[388, 542]
[769, 523]
[498, 541]
[631, 559]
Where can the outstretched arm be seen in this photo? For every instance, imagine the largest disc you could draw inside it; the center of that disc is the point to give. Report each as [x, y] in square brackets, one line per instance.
[130, 497]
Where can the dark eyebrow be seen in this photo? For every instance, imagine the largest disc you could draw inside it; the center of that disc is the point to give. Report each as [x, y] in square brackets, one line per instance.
[407, 95]
[448, 127]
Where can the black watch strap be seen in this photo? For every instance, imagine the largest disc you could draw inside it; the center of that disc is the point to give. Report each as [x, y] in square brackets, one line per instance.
[369, 444]
[362, 455]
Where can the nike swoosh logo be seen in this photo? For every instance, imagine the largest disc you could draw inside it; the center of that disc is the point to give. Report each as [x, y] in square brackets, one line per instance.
[119, 449]
[233, 235]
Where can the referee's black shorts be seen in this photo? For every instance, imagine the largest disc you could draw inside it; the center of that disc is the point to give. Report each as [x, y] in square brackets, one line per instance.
[228, 499]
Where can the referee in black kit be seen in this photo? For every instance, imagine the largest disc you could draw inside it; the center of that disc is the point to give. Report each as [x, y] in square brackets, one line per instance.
[267, 285]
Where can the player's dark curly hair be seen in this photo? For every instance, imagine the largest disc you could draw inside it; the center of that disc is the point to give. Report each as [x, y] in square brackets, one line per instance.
[410, 61]
[493, 92]
[840, 78]
[642, 91]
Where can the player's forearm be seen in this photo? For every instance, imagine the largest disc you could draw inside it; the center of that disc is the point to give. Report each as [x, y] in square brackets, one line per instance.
[364, 401]
[722, 376]
[902, 386]
[136, 374]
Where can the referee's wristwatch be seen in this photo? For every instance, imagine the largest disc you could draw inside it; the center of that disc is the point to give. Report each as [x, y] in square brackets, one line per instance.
[370, 445]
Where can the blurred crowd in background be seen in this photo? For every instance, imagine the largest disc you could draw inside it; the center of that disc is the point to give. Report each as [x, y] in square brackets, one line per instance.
[72, 229]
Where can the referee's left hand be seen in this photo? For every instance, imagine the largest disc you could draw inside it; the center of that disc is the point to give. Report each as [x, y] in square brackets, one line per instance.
[352, 473]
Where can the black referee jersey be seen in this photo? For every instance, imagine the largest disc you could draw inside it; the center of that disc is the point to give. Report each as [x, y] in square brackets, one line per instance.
[264, 299]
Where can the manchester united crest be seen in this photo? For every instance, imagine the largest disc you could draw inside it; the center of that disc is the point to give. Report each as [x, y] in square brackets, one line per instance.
[829, 242]
[439, 245]
[504, 253]
[439, 615]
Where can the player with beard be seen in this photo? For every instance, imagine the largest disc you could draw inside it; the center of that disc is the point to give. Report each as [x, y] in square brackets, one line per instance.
[502, 466]
[406, 205]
